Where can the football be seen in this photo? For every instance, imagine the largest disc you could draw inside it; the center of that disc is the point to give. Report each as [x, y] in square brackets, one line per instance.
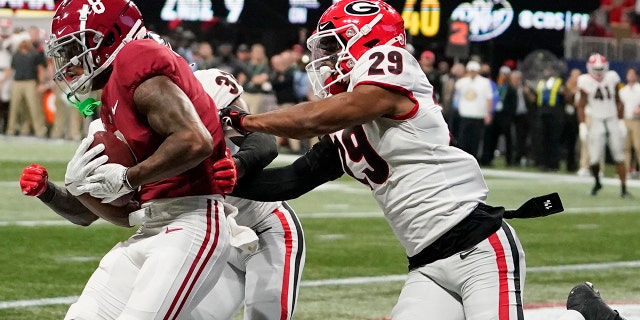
[118, 152]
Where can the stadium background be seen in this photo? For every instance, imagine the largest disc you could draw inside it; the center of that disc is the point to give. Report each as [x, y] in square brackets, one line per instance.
[276, 23]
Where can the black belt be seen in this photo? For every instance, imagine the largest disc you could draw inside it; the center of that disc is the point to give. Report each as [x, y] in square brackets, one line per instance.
[482, 222]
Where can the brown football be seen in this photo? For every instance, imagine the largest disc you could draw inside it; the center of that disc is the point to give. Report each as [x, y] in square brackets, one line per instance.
[118, 152]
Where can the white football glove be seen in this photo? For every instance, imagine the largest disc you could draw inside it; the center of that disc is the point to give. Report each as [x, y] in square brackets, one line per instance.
[82, 164]
[107, 182]
[583, 131]
[623, 129]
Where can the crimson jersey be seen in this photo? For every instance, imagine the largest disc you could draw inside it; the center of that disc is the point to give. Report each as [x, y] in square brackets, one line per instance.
[141, 60]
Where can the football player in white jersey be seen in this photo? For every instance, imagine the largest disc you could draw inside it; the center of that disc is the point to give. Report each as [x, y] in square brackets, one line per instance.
[383, 128]
[599, 92]
[266, 281]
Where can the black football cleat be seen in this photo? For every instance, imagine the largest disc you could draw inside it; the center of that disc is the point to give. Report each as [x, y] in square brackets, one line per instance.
[586, 300]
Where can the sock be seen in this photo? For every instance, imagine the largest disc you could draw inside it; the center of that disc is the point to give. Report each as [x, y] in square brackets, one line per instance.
[595, 171]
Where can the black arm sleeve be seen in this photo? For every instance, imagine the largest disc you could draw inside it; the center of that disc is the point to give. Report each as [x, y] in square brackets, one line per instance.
[67, 206]
[257, 150]
[319, 165]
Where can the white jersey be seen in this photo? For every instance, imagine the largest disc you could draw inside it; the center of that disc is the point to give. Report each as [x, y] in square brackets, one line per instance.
[601, 95]
[423, 185]
[223, 88]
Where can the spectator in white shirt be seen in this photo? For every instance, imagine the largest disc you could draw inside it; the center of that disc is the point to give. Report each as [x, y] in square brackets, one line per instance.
[630, 97]
[475, 108]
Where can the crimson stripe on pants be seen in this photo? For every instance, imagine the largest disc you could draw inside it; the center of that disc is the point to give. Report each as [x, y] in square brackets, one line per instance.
[288, 241]
[194, 264]
[503, 281]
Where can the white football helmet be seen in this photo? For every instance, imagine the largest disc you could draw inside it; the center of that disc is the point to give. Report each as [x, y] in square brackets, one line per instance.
[597, 66]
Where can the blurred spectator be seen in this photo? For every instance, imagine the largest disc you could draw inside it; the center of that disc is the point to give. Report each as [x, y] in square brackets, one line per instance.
[427, 64]
[618, 9]
[449, 100]
[37, 36]
[282, 80]
[443, 70]
[594, 29]
[243, 55]
[500, 126]
[25, 109]
[257, 82]
[474, 106]
[570, 126]
[626, 28]
[204, 57]
[68, 121]
[301, 83]
[630, 98]
[521, 120]
[227, 62]
[5, 63]
[181, 41]
[550, 103]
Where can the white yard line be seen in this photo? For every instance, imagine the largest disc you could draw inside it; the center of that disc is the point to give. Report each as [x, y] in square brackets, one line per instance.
[332, 215]
[352, 281]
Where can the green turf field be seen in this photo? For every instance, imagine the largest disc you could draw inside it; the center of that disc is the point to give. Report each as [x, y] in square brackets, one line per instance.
[596, 239]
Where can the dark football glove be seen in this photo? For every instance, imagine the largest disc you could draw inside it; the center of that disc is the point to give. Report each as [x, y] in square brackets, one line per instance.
[232, 116]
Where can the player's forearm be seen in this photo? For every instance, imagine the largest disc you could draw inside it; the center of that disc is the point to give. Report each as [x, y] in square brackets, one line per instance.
[116, 215]
[310, 119]
[321, 164]
[296, 122]
[257, 150]
[67, 206]
[179, 152]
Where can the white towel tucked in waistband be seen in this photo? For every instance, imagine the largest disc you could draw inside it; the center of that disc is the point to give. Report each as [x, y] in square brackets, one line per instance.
[241, 237]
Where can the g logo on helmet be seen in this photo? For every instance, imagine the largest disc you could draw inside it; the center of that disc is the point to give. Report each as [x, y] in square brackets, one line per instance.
[362, 8]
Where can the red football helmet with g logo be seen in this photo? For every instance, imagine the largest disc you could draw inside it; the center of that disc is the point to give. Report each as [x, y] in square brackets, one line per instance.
[597, 66]
[345, 31]
[89, 34]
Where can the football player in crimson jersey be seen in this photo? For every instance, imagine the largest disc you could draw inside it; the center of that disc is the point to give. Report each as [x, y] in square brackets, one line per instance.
[152, 100]
[599, 91]
[266, 281]
[465, 261]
